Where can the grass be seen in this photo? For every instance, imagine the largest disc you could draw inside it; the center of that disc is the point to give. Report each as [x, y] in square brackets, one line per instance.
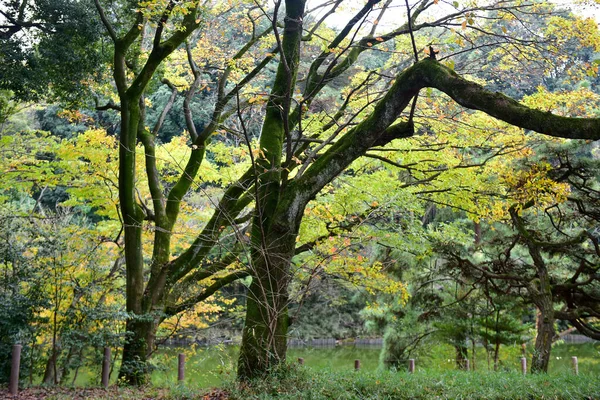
[295, 382]
[301, 383]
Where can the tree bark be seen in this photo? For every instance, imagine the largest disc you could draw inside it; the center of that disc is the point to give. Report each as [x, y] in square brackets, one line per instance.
[51, 368]
[264, 338]
[544, 337]
[540, 290]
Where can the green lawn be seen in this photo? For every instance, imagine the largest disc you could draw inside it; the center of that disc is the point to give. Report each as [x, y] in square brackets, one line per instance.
[304, 383]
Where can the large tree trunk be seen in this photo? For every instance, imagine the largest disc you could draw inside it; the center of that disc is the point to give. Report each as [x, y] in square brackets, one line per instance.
[133, 367]
[545, 334]
[264, 339]
[276, 219]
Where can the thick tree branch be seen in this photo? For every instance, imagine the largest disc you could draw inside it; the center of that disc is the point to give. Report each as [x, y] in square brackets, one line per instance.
[376, 130]
[586, 329]
[231, 204]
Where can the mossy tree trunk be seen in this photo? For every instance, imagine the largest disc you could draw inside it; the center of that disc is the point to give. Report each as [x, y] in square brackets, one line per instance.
[274, 229]
[264, 340]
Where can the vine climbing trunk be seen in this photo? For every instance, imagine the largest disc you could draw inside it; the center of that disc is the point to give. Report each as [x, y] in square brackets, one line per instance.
[275, 225]
[264, 340]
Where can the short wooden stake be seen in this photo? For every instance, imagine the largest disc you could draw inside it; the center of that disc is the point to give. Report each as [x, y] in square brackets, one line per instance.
[524, 365]
[106, 367]
[411, 365]
[181, 368]
[356, 365]
[300, 360]
[13, 386]
[467, 365]
[575, 365]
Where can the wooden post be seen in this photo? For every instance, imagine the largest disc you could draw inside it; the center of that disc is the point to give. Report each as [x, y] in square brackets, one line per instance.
[13, 386]
[356, 365]
[300, 360]
[467, 365]
[411, 365]
[575, 365]
[106, 367]
[181, 368]
[524, 365]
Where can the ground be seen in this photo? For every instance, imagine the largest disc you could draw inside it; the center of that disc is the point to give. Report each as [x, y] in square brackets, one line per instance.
[113, 393]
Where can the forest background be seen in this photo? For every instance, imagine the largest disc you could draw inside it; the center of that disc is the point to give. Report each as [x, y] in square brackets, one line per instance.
[269, 171]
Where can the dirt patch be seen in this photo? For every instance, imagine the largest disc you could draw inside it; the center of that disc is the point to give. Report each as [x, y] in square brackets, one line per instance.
[216, 394]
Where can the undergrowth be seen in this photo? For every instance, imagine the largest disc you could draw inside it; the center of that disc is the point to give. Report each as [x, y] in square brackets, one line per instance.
[302, 383]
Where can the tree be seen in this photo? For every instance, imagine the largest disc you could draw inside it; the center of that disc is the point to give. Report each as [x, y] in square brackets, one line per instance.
[65, 37]
[286, 171]
[550, 257]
